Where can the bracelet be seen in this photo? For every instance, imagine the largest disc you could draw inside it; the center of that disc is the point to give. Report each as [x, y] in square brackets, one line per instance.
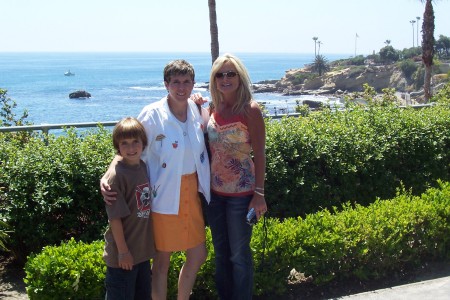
[258, 193]
[259, 189]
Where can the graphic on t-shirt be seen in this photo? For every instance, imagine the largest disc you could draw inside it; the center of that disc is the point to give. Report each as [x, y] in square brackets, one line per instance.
[143, 197]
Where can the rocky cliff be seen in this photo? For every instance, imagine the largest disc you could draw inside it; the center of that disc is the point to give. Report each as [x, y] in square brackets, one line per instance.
[337, 80]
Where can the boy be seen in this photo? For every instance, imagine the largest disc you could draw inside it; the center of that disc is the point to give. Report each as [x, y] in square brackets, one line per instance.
[129, 242]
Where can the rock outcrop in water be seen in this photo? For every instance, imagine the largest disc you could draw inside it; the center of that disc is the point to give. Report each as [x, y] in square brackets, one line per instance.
[79, 94]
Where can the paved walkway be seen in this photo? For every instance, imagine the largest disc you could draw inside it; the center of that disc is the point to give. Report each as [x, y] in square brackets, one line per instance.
[434, 289]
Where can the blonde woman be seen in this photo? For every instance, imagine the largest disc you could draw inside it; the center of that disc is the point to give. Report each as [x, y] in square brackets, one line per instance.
[236, 133]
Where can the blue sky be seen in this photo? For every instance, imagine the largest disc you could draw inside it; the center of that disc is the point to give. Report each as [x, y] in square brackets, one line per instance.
[183, 25]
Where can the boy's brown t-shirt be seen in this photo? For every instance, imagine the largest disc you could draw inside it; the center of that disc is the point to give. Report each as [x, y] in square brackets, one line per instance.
[133, 206]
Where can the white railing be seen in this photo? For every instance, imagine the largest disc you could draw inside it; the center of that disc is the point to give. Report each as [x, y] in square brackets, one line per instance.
[45, 128]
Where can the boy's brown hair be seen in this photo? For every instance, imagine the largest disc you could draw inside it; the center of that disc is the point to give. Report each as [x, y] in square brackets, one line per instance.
[128, 128]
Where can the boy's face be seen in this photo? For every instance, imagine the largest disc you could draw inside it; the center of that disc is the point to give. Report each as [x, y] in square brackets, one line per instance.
[131, 150]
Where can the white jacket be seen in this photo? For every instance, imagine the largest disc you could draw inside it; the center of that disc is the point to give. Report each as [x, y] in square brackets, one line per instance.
[164, 154]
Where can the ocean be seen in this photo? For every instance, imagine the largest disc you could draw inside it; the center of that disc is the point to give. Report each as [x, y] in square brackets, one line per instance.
[121, 84]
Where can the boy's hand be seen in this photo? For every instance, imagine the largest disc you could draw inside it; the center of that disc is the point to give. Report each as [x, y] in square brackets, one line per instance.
[126, 261]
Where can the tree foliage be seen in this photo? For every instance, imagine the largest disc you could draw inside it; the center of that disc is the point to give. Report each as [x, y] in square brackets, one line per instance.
[443, 46]
[389, 54]
[7, 115]
[321, 64]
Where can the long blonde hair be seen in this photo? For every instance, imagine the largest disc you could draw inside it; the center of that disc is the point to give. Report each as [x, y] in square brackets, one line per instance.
[244, 91]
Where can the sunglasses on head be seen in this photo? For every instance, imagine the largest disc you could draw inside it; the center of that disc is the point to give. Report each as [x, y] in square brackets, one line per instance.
[229, 74]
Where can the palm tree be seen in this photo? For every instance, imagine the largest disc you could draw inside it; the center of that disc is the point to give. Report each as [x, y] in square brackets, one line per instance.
[428, 46]
[213, 30]
[315, 45]
[321, 64]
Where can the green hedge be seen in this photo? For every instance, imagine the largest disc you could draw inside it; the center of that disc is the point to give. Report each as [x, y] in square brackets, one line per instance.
[380, 240]
[329, 158]
[50, 192]
[73, 270]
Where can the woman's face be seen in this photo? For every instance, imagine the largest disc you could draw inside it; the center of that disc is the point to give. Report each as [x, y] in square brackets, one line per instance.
[180, 87]
[227, 79]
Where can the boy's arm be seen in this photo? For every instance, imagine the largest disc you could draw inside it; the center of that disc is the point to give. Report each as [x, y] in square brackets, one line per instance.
[126, 260]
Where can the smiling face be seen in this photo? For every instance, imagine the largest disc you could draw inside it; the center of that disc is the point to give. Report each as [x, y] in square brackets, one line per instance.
[180, 87]
[131, 149]
[227, 79]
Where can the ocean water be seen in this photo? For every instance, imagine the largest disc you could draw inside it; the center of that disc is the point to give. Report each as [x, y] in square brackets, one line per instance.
[121, 84]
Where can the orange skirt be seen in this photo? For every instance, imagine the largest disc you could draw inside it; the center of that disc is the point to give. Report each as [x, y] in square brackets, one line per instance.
[185, 230]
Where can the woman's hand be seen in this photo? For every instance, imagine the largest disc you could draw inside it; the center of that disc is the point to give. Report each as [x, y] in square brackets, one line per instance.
[107, 194]
[199, 99]
[259, 204]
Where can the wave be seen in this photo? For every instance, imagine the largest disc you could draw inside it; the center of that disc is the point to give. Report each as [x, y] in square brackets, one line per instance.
[148, 88]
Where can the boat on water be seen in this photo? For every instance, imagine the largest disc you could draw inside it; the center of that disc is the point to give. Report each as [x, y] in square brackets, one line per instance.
[68, 73]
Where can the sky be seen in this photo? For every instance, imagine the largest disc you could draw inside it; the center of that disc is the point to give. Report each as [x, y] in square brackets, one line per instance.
[270, 26]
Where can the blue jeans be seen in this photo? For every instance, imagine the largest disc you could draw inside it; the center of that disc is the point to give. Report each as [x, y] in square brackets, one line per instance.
[128, 285]
[231, 237]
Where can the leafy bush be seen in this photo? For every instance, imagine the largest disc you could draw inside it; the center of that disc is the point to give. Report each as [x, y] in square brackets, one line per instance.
[357, 61]
[384, 239]
[389, 54]
[409, 53]
[73, 270]
[7, 115]
[375, 241]
[443, 96]
[317, 161]
[50, 191]
[329, 158]
[408, 67]
[356, 71]
[4, 235]
[419, 77]
[301, 77]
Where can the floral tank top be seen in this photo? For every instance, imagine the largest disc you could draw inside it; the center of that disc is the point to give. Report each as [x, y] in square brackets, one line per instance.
[232, 168]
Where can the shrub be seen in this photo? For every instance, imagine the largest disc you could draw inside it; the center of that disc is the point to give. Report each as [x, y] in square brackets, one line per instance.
[356, 71]
[4, 235]
[320, 160]
[51, 192]
[73, 270]
[328, 158]
[354, 242]
[301, 77]
[443, 96]
[389, 54]
[419, 77]
[408, 67]
[357, 61]
[7, 115]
